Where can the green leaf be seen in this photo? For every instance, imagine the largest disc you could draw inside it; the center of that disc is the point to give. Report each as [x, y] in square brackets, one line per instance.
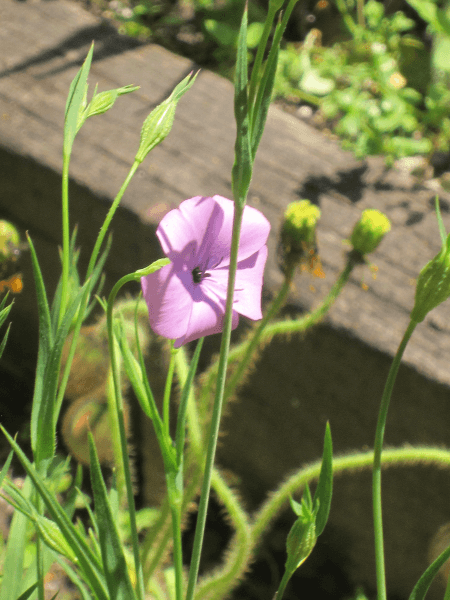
[75, 102]
[45, 342]
[87, 560]
[13, 564]
[114, 564]
[263, 97]
[27, 593]
[421, 587]
[223, 33]
[45, 415]
[5, 469]
[241, 174]
[324, 489]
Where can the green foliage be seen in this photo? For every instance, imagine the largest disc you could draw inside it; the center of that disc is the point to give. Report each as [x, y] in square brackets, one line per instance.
[377, 91]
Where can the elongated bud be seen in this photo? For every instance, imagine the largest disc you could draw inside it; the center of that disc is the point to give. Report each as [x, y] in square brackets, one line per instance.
[302, 536]
[159, 122]
[369, 231]
[433, 284]
[102, 102]
[298, 233]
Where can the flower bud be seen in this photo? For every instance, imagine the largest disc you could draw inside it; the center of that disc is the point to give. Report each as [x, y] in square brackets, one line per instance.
[159, 122]
[102, 102]
[9, 241]
[369, 231]
[433, 284]
[298, 233]
[302, 536]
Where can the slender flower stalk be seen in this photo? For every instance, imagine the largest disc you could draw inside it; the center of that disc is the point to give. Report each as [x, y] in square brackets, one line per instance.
[124, 459]
[65, 235]
[217, 408]
[376, 473]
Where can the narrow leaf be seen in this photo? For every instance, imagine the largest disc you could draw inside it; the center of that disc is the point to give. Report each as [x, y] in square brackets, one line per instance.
[13, 564]
[45, 341]
[263, 98]
[324, 489]
[27, 593]
[75, 101]
[87, 560]
[46, 416]
[5, 469]
[114, 564]
[243, 164]
[421, 587]
[442, 231]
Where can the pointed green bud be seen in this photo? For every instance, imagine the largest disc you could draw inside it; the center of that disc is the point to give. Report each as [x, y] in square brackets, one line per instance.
[302, 536]
[159, 122]
[102, 102]
[298, 234]
[369, 231]
[433, 284]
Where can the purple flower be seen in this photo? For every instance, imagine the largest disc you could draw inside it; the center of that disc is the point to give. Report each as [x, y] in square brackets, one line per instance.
[186, 299]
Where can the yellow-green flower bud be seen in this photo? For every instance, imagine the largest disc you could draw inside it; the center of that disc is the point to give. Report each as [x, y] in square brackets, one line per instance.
[433, 284]
[298, 233]
[9, 241]
[369, 231]
[299, 226]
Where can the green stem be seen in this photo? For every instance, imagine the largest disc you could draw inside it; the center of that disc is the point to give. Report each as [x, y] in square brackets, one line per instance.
[66, 237]
[349, 463]
[124, 460]
[283, 585]
[447, 589]
[376, 475]
[217, 408]
[256, 69]
[238, 558]
[108, 219]
[168, 390]
[265, 331]
[175, 500]
[254, 341]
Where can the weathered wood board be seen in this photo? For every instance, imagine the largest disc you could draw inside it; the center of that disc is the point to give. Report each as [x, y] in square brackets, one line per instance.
[337, 372]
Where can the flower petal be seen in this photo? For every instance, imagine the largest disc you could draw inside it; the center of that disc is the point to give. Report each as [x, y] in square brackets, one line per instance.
[249, 280]
[254, 230]
[169, 301]
[207, 314]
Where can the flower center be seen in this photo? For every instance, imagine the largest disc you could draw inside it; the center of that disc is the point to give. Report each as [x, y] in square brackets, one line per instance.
[198, 275]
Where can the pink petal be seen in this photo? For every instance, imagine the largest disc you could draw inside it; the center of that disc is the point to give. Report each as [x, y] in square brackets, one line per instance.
[254, 230]
[248, 285]
[168, 300]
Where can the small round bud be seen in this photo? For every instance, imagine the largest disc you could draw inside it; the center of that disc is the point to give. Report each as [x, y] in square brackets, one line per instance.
[9, 241]
[298, 233]
[369, 231]
[433, 284]
[299, 226]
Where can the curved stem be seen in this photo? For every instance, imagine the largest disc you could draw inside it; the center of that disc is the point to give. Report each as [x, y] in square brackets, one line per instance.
[392, 457]
[265, 331]
[376, 475]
